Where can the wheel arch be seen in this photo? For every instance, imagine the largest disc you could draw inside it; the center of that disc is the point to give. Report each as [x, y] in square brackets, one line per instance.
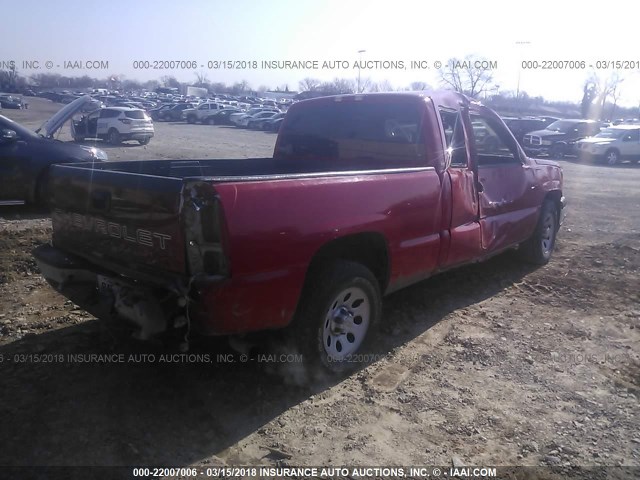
[555, 196]
[368, 249]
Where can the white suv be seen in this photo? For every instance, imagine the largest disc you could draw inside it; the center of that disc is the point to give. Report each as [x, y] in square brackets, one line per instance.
[612, 145]
[115, 125]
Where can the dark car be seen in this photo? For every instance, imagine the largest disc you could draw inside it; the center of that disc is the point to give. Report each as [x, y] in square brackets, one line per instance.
[10, 101]
[559, 138]
[25, 156]
[256, 124]
[174, 113]
[273, 125]
[222, 116]
[158, 112]
[263, 123]
[520, 126]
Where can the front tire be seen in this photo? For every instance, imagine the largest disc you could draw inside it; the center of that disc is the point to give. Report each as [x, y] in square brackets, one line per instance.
[42, 191]
[539, 247]
[557, 152]
[114, 137]
[340, 309]
[612, 157]
[144, 141]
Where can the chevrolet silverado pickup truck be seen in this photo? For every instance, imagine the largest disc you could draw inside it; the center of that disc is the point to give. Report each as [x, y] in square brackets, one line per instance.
[364, 195]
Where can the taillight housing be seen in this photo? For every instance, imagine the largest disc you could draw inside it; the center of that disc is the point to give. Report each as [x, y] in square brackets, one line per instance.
[203, 222]
[126, 121]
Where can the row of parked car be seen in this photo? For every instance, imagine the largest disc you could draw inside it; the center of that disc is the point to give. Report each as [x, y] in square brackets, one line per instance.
[590, 140]
[261, 117]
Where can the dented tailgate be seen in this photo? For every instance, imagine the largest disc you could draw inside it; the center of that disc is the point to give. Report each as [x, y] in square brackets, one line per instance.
[119, 219]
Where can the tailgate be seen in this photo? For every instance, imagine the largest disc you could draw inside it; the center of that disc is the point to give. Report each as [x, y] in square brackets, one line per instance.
[123, 221]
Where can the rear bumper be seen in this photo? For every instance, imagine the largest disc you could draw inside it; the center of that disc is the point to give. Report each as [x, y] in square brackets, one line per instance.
[217, 305]
[137, 135]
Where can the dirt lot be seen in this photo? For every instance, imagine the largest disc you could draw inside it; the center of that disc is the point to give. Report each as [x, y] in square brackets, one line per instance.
[493, 364]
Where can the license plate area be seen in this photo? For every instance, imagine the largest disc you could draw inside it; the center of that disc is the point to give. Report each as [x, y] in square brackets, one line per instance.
[105, 285]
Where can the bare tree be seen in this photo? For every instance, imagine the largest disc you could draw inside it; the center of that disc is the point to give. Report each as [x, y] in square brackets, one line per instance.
[471, 75]
[589, 94]
[338, 86]
[201, 79]
[418, 86]
[605, 88]
[309, 84]
[169, 81]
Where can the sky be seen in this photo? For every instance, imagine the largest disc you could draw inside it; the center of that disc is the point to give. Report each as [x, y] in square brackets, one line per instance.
[246, 31]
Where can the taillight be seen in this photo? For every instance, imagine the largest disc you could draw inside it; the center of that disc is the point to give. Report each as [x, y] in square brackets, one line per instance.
[203, 226]
[126, 121]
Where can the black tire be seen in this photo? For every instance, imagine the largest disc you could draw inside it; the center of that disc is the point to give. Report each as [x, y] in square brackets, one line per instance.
[612, 157]
[191, 119]
[333, 332]
[557, 152]
[539, 247]
[208, 121]
[114, 137]
[144, 141]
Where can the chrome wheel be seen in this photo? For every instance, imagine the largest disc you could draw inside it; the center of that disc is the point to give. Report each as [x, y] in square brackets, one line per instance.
[612, 157]
[346, 323]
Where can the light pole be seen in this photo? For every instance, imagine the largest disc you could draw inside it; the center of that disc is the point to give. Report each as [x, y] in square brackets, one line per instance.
[360, 52]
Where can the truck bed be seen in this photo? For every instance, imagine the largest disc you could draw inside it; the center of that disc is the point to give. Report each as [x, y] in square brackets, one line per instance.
[132, 216]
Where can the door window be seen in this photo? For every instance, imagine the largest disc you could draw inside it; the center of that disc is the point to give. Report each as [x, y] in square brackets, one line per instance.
[492, 143]
[454, 135]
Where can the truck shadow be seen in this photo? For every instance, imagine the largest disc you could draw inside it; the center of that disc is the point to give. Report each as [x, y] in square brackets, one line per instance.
[60, 406]
[22, 211]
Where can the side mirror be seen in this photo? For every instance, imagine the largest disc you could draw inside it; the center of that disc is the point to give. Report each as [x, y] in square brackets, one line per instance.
[8, 136]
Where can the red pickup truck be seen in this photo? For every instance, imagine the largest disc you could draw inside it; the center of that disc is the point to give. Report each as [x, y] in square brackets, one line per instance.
[364, 195]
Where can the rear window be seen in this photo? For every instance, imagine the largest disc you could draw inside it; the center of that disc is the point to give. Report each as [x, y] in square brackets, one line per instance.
[379, 132]
[136, 114]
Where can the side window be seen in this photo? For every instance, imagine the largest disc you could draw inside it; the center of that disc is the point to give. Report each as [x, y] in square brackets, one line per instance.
[490, 143]
[632, 136]
[454, 135]
[106, 113]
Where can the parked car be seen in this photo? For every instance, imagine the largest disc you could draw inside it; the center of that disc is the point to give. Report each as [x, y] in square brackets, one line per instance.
[222, 117]
[10, 102]
[611, 145]
[25, 156]
[259, 123]
[246, 119]
[115, 125]
[558, 139]
[158, 113]
[235, 118]
[203, 113]
[273, 125]
[174, 114]
[364, 195]
[520, 126]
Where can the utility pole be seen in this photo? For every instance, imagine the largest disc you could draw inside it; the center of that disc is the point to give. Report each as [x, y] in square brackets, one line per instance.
[360, 52]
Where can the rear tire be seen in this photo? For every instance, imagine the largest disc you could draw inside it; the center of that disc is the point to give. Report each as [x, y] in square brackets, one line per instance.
[191, 119]
[144, 141]
[340, 308]
[539, 247]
